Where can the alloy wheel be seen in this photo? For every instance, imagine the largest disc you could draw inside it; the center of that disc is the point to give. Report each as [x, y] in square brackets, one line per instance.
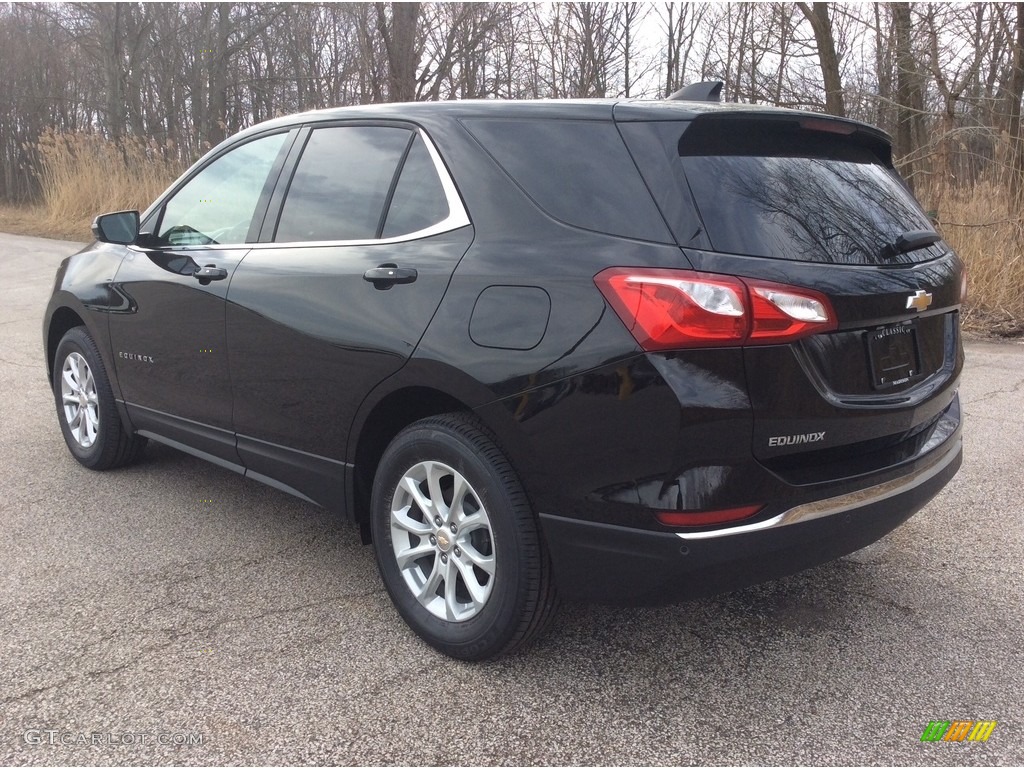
[442, 541]
[80, 400]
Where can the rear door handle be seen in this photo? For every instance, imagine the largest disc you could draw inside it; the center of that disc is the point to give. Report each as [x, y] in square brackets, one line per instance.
[387, 275]
[210, 272]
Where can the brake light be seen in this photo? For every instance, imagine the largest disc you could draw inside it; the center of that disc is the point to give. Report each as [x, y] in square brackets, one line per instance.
[963, 285]
[678, 309]
[827, 126]
[707, 517]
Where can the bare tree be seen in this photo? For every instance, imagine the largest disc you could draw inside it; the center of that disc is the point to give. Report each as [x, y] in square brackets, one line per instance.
[818, 16]
[397, 27]
[946, 80]
[1014, 96]
[953, 69]
[681, 24]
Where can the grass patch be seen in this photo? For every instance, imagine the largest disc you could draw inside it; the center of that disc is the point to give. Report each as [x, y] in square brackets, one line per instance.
[988, 233]
[83, 174]
[33, 220]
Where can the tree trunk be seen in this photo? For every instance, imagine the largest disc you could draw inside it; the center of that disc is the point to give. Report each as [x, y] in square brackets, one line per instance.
[115, 85]
[1016, 93]
[399, 39]
[827, 56]
[216, 117]
[909, 98]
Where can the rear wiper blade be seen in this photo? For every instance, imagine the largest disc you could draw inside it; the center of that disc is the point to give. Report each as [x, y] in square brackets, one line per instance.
[911, 241]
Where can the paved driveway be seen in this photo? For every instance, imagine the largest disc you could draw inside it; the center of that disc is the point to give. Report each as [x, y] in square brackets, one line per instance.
[177, 602]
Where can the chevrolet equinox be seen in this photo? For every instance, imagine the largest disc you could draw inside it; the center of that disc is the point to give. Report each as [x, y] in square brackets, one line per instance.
[625, 351]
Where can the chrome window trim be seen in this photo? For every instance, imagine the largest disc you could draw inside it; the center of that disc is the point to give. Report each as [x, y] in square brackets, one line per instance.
[836, 505]
[456, 219]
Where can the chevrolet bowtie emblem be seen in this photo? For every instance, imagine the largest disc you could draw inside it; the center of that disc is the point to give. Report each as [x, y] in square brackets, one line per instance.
[920, 301]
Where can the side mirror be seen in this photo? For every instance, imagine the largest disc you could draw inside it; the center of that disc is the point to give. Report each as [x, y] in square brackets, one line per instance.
[121, 227]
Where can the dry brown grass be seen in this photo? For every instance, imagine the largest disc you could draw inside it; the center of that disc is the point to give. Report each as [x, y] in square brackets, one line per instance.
[33, 220]
[82, 174]
[988, 233]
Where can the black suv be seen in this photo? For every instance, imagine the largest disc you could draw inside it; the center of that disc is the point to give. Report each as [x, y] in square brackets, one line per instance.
[621, 351]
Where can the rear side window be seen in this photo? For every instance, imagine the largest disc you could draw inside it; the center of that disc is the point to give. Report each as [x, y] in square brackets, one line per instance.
[419, 200]
[577, 171]
[782, 192]
[341, 183]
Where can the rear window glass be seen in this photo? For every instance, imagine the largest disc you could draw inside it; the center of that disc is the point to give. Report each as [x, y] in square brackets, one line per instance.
[800, 195]
[578, 171]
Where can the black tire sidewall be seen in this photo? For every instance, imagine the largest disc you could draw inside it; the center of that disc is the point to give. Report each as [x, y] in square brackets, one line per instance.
[100, 453]
[487, 633]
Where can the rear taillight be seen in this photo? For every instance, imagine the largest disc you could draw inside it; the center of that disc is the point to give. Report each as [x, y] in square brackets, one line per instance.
[677, 309]
[782, 313]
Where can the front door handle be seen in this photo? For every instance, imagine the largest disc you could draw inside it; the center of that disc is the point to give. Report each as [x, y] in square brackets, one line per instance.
[387, 275]
[210, 272]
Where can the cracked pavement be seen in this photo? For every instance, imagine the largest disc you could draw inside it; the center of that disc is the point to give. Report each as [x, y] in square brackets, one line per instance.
[175, 598]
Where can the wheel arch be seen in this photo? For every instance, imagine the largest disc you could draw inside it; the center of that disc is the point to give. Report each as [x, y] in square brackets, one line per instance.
[421, 389]
[66, 311]
[64, 318]
[389, 416]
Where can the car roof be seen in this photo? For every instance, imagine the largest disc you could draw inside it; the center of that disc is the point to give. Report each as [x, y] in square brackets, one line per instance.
[595, 109]
[577, 109]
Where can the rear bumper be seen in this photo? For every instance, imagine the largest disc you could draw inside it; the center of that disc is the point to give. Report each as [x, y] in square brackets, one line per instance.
[597, 562]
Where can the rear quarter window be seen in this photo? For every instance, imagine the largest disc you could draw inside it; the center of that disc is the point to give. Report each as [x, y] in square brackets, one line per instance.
[418, 201]
[577, 171]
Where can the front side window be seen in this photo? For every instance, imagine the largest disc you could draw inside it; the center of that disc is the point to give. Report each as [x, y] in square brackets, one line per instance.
[216, 206]
[342, 183]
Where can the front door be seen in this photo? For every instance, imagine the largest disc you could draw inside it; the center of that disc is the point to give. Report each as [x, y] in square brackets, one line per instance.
[169, 343]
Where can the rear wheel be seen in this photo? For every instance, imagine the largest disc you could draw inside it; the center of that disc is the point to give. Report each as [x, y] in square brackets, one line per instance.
[88, 417]
[456, 541]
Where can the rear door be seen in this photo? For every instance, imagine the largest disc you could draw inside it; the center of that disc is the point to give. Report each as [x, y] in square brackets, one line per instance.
[812, 202]
[357, 253]
[169, 342]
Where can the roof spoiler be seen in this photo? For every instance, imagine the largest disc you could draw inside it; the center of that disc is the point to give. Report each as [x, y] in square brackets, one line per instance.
[710, 90]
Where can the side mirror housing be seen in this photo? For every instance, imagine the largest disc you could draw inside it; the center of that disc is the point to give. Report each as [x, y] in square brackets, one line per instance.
[121, 227]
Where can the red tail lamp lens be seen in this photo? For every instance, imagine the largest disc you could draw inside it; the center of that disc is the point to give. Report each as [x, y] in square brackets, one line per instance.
[782, 313]
[679, 309]
[707, 517]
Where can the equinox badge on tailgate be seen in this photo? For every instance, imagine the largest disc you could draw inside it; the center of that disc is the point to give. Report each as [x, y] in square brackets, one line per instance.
[809, 437]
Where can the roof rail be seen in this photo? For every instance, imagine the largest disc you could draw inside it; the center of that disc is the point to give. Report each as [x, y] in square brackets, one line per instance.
[710, 90]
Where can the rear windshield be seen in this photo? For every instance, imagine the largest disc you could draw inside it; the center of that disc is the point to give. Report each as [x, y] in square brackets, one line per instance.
[787, 193]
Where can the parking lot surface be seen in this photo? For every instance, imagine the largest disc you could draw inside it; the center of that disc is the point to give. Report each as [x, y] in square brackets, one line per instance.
[176, 613]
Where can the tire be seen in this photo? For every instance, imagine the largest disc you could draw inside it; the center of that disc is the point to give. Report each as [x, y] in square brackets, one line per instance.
[86, 410]
[474, 580]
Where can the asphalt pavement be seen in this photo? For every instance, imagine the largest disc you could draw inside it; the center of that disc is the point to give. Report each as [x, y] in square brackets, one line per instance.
[176, 613]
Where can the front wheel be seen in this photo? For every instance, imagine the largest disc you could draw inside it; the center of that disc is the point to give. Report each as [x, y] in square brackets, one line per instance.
[456, 541]
[86, 410]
